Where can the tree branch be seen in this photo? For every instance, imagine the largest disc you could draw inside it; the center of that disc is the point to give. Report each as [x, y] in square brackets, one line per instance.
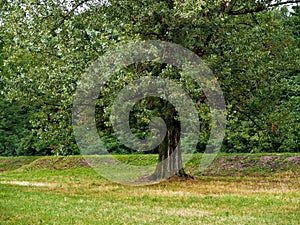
[65, 17]
[283, 3]
[262, 7]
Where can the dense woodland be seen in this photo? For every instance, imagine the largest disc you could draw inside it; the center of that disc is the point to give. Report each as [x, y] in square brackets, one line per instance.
[252, 47]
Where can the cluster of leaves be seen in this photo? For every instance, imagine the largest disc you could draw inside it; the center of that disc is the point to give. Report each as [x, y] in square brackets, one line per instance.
[259, 66]
[47, 46]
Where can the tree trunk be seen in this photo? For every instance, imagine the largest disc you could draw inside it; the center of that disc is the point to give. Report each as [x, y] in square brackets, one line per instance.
[169, 159]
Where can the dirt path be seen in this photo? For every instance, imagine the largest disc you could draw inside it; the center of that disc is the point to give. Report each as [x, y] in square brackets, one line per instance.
[28, 183]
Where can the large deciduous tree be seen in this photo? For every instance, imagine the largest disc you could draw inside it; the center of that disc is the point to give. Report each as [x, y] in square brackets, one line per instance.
[245, 43]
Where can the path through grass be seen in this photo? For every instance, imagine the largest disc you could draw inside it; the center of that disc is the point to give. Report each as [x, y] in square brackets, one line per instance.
[81, 196]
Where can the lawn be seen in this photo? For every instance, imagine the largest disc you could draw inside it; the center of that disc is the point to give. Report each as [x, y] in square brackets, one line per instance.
[71, 193]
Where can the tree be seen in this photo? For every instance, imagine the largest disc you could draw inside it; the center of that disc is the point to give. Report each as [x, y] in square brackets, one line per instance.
[228, 37]
[16, 137]
[262, 48]
[288, 136]
[54, 44]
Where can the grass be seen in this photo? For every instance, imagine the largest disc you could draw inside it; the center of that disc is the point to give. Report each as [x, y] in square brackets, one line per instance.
[75, 194]
[12, 163]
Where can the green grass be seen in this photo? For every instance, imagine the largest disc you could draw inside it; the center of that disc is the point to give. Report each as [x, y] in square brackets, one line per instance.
[76, 194]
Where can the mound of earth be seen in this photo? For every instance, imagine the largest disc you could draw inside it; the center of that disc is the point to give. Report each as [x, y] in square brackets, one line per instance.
[57, 163]
[223, 165]
[253, 165]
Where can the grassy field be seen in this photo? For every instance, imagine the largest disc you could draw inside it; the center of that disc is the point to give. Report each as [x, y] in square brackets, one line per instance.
[62, 190]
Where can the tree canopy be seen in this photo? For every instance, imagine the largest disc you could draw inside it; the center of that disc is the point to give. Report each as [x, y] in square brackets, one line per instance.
[251, 46]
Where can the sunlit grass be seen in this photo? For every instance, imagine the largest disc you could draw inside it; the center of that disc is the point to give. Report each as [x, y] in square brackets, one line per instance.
[81, 196]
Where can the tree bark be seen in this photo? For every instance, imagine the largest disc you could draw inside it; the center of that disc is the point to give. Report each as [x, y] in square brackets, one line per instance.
[169, 158]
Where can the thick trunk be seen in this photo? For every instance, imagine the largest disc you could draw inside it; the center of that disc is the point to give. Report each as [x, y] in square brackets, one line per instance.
[169, 159]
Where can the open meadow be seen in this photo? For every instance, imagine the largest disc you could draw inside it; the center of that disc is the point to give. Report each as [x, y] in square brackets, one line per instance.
[64, 190]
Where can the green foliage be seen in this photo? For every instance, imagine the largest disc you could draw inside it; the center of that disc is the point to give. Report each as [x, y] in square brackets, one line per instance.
[45, 49]
[12, 128]
[254, 82]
